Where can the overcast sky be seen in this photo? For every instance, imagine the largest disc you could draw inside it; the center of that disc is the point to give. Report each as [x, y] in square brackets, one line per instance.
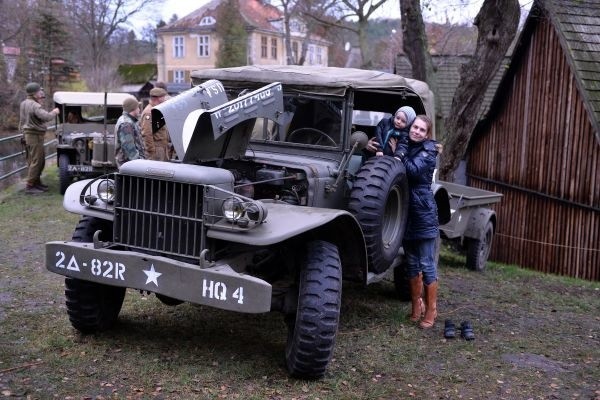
[455, 11]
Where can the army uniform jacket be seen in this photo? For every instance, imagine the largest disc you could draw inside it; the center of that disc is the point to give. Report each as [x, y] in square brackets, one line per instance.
[157, 145]
[128, 139]
[33, 117]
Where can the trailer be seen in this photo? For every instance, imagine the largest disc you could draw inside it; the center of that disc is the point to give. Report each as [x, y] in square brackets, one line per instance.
[472, 223]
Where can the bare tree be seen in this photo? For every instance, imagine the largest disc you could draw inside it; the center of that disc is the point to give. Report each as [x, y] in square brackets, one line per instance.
[416, 48]
[496, 23]
[362, 10]
[97, 21]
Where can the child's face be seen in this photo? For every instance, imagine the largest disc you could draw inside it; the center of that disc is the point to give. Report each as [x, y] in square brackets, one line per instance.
[400, 120]
[418, 130]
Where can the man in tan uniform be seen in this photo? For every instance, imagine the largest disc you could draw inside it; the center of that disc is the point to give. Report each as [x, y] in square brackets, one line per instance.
[33, 119]
[157, 145]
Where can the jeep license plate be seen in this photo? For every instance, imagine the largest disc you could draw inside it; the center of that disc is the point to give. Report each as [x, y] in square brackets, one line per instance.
[80, 168]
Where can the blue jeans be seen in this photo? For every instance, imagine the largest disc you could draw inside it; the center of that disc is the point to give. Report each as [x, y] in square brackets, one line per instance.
[420, 257]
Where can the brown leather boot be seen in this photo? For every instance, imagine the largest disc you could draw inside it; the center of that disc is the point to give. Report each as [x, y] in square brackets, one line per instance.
[430, 306]
[416, 291]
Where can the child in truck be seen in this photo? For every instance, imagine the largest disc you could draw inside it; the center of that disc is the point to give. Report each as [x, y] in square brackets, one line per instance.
[389, 130]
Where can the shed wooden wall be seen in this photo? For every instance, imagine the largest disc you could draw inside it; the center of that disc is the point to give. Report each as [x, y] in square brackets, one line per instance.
[541, 152]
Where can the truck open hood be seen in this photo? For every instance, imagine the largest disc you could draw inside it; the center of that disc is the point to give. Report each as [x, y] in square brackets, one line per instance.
[214, 129]
[174, 111]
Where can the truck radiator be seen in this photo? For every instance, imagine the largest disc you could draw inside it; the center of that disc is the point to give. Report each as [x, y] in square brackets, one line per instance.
[158, 215]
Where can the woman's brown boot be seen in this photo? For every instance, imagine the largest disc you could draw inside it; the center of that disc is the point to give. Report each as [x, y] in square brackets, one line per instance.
[416, 291]
[430, 306]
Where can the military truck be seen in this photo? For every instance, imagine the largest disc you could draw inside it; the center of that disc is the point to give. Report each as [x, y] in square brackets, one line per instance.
[270, 205]
[85, 133]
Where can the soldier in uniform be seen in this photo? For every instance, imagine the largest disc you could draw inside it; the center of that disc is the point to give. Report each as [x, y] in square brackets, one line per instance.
[33, 119]
[157, 145]
[127, 133]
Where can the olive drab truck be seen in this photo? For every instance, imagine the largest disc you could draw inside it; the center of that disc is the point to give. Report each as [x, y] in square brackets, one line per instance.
[269, 206]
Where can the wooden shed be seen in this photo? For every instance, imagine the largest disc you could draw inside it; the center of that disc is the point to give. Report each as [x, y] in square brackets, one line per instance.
[540, 144]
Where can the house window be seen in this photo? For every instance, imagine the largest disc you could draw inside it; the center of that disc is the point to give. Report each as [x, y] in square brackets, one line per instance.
[274, 49]
[263, 47]
[319, 56]
[311, 55]
[178, 47]
[203, 46]
[179, 76]
[207, 21]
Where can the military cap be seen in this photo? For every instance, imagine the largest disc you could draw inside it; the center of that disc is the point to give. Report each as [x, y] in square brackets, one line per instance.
[32, 87]
[130, 104]
[158, 92]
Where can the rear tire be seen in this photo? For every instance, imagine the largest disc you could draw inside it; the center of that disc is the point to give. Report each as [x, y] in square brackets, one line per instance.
[379, 200]
[91, 306]
[313, 329]
[478, 250]
[63, 173]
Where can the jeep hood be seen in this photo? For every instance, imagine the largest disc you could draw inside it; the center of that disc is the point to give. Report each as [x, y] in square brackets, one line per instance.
[204, 126]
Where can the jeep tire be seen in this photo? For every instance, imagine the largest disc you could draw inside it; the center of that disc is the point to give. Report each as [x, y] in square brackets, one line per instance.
[379, 201]
[312, 329]
[91, 306]
[64, 178]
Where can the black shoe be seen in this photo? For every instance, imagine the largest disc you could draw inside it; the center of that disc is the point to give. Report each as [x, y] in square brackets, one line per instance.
[466, 330]
[41, 187]
[33, 190]
[449, 329]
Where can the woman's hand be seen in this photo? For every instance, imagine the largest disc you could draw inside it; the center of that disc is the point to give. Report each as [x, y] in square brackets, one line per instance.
[372, 145]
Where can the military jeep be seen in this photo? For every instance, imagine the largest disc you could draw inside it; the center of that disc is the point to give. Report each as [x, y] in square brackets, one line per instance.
[85, 133]
[270, 206]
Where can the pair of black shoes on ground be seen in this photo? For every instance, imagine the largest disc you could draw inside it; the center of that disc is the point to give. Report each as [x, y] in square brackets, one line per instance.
[466, 330]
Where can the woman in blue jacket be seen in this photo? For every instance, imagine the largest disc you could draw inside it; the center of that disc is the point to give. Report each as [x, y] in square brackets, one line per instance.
[419, 154]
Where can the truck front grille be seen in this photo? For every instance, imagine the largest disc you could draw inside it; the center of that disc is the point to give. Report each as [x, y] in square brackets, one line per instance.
[158, 215]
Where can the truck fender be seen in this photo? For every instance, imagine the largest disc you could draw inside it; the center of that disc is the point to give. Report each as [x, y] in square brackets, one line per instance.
[477, 222]
[286, 221]
[72, 201]
[442, 200]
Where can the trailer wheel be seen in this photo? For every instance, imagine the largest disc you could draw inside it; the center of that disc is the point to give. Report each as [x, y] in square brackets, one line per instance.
[63, 172]
[313, 328]
[379, 201]
[478, 250]
[91, 306]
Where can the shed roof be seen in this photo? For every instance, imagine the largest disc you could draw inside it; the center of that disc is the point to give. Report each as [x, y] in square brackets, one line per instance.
[577, 24]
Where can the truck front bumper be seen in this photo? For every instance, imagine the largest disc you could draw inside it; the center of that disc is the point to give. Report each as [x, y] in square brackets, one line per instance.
[218, 286]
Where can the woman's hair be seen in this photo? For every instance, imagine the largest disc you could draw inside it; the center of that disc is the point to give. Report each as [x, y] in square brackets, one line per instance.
[428, 122]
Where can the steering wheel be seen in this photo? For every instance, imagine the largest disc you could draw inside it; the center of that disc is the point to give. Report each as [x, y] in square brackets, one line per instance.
[314, 136]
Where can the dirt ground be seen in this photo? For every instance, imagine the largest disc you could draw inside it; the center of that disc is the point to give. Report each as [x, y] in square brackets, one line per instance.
[536, 336]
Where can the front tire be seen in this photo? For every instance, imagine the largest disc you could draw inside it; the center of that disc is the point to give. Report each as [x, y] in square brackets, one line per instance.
[379, 200]
[313, 329]
[92, 307]
[478, 250]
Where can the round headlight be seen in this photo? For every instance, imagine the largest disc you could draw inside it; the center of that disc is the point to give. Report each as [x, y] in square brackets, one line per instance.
[233, 208]
[106, 190]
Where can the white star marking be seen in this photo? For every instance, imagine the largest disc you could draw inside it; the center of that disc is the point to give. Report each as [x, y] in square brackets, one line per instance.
[152, 275]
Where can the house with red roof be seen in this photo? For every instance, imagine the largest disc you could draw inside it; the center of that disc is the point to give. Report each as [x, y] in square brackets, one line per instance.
[192, 42]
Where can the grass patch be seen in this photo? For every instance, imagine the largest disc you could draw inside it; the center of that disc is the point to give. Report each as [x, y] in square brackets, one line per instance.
[536, 335]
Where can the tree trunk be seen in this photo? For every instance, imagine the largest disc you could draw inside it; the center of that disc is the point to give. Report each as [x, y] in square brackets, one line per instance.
[414, 44]
[496, 23]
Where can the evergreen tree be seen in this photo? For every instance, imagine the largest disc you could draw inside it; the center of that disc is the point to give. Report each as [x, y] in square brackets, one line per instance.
[49, 54]
[232, 36]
